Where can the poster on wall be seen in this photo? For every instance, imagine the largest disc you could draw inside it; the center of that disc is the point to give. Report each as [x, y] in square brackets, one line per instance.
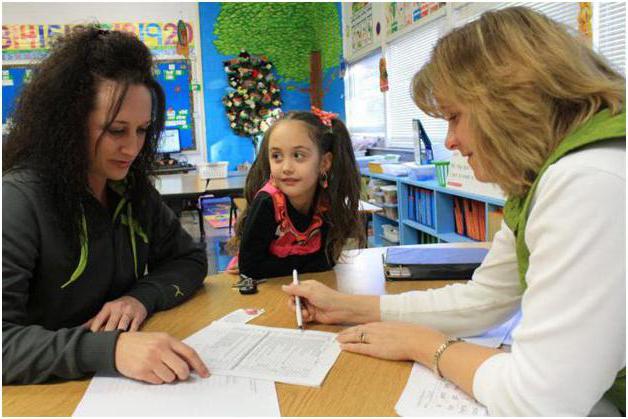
[361, 25]
[13, 78]
[400, 15]
[174, 77]
[22, 42]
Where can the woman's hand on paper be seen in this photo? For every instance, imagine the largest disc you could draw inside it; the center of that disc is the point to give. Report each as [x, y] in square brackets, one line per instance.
[156, 358]
[124, 313]
[392, 340]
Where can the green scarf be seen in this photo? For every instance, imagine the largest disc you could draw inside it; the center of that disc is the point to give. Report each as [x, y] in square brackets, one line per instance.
[601, 127]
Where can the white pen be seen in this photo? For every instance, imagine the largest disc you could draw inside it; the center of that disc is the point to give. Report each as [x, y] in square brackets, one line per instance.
[297, 299]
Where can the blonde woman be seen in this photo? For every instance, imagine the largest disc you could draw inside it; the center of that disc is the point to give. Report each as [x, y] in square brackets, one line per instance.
[541, 115]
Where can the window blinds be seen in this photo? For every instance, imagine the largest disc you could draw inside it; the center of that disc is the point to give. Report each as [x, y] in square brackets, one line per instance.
[612, 34]
[406, 56]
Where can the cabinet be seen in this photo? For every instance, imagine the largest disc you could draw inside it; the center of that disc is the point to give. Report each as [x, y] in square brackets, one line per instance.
[430, 213]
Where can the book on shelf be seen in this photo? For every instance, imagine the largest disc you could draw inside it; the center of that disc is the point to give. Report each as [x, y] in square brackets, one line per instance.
[459, 216]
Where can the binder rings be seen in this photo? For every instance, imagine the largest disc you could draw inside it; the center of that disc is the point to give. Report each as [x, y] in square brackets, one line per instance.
[431, 263]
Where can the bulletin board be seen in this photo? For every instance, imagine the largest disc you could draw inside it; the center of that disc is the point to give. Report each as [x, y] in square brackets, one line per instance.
[13, 78]
[175, 78]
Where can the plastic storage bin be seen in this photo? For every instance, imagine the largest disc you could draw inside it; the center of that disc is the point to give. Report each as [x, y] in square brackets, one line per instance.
[391, 233]
[395, 169]
[213, 170]
[442, 167]
[363, 161]
[390, 211]
[390, 194]
[422, 172]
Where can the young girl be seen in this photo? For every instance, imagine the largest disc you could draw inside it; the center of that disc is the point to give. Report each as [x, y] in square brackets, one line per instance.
[303, 194]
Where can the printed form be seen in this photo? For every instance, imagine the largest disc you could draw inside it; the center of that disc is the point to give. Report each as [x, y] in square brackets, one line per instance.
[427, 395]
[213, 396]
[289, 356]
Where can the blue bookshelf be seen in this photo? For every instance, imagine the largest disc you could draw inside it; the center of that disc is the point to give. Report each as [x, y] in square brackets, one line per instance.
[433, 220]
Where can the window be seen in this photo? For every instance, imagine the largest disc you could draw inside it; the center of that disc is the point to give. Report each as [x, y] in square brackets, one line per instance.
[364, 103]
[609, 30]
[405, 56]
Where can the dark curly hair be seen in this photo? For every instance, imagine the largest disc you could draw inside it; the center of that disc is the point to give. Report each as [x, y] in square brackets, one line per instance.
[343, 191]
[49, 129]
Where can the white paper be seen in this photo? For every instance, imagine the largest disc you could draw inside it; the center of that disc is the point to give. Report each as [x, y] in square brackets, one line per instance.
[242, 315]
[427, 395]
[290, 356]
[500, 335]
[213, 396]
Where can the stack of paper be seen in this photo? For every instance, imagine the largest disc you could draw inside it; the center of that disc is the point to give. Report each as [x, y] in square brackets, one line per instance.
[500, 335]
[213, 396]
[427, 395]
[244, 361]
[286, 355]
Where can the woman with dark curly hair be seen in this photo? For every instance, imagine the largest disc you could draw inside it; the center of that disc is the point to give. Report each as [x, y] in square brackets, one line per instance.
[89, 249]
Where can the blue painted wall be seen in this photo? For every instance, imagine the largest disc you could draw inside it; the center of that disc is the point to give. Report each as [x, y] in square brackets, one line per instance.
[222, 143]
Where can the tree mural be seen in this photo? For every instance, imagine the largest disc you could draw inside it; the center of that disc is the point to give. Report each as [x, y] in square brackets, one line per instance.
[289, 34]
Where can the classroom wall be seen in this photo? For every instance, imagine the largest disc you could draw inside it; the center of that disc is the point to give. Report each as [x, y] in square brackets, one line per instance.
[76, 13]
[222, 143]
[214, 138]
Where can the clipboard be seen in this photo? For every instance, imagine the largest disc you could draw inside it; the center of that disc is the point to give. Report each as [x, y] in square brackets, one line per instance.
[430, 263]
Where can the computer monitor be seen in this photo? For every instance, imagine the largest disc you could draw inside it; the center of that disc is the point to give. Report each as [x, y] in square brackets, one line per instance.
[169, 142]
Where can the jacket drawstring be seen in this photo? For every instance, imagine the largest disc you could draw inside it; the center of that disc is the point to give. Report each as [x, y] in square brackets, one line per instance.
[83, 258]
[129, 214]
[133, 227]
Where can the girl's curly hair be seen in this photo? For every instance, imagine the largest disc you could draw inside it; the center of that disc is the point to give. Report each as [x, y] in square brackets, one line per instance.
[48, 133]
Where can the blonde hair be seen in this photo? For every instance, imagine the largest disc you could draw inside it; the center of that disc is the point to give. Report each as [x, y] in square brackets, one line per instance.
[527, 83]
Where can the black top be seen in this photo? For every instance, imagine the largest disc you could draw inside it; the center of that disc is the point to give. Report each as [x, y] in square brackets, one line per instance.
[42, 332]
[255, 259]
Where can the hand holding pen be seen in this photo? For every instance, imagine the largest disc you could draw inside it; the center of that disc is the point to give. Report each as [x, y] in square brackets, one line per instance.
[295, 281]
[320, 304]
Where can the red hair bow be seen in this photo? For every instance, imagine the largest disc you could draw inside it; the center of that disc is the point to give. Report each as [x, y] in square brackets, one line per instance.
[325, 117]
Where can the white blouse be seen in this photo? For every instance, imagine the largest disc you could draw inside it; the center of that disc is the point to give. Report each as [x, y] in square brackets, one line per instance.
[571, 340]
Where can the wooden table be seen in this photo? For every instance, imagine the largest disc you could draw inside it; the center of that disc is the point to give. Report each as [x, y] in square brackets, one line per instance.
[356, 385]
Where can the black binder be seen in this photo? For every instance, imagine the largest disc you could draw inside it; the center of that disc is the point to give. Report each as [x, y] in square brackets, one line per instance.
[429, 263]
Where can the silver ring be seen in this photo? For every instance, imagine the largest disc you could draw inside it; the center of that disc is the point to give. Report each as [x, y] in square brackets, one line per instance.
[362, 337]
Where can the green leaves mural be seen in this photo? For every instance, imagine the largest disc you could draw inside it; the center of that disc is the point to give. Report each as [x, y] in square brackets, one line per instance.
[285, 32]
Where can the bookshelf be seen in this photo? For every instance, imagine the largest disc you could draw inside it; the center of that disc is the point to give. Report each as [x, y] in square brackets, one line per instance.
[433, 220]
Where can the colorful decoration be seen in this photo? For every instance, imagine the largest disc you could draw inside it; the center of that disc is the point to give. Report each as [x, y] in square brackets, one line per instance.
[253, 99]
[285, 32]
[182, 39]
[401, 14]
[584, 20]
[32, 41]
[383, 75]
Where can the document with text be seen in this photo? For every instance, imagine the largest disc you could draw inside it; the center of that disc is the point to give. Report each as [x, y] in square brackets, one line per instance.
[289, 356]
[213, 396]
[427, 395]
